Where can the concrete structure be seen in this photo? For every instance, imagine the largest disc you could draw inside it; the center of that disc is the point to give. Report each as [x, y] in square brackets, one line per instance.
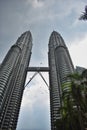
[79, 69]
[13, 72]
[60, 65]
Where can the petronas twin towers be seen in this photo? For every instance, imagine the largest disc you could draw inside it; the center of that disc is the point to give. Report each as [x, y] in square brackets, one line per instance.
[13, 72]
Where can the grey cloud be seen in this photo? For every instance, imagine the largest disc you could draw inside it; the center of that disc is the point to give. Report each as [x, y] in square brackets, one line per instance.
[35, 106]
[34, 114]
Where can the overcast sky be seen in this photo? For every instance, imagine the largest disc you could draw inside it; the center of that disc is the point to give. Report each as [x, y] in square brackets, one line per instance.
[41, 17]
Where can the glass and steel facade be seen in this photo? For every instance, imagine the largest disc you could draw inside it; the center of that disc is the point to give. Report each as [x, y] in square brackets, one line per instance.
[12, 79]
[60, 65]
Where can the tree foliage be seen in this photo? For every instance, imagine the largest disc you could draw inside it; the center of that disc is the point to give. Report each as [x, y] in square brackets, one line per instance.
[74, 103]
[84, 14]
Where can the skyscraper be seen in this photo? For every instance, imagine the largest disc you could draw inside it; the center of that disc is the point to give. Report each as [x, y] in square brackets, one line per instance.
[60, 65]
[12, 79]
[13, 72]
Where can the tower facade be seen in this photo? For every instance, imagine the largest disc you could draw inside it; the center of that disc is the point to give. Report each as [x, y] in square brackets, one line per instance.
[13, 72]
[60, 65]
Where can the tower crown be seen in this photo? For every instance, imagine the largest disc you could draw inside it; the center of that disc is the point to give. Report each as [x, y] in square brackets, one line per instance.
[25, 36]
[56, 40]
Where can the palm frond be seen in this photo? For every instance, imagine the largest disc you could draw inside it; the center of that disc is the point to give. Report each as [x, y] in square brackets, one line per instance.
[83, 16]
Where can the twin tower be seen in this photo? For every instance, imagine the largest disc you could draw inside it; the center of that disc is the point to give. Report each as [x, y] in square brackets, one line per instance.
[13, 72]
